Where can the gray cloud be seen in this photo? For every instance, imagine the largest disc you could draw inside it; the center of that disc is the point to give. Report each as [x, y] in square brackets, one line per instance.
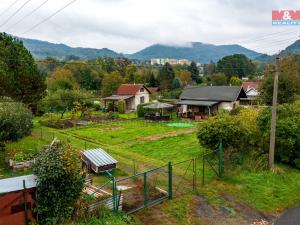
[129, 25]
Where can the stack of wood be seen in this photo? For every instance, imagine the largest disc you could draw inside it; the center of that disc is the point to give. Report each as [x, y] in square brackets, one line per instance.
[20, 165]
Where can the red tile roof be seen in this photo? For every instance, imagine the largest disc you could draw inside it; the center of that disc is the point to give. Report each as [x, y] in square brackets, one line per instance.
[129, 89]
[250, 84]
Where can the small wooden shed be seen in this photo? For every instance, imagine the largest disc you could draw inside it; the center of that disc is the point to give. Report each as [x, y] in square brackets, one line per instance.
[97, 160]
[17, 198]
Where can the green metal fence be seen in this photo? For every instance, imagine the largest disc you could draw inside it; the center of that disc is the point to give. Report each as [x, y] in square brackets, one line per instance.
[152, 186]
[145, 189]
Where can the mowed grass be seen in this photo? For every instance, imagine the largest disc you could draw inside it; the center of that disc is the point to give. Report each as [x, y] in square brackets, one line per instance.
[122, 131]
[268, 191]
[167, 149]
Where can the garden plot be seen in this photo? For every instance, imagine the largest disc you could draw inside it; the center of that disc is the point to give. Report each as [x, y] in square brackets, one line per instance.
[122, 132]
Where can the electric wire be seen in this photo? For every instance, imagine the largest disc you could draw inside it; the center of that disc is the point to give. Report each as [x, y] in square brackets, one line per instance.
[15, 13]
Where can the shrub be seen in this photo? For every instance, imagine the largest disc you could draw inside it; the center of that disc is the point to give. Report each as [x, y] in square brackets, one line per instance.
[121, 106]
[287, 132]
[238, 131]
[15, 120]
[59, 182]
[110, 107]
[140, 110]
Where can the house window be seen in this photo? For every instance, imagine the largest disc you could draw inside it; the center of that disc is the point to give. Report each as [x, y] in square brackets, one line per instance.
[142, 99]
[142, 89]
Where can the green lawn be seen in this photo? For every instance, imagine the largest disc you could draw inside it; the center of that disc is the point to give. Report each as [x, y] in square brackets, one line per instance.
[268, 191]
[168, 149]
[122, 131]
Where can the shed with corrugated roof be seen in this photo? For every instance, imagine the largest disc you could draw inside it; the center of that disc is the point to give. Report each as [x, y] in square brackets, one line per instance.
[98, 160]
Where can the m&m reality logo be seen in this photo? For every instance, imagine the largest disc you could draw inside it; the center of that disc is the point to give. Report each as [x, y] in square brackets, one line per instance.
[286, 17]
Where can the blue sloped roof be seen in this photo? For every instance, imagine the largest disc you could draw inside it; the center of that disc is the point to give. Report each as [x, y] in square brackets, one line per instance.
[99, 157]
[16, 183]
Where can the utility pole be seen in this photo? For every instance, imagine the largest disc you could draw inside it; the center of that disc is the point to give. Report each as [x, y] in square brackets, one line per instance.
[273, 120]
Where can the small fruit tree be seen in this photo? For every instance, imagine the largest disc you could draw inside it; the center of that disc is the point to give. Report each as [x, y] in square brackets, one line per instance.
[59, 182]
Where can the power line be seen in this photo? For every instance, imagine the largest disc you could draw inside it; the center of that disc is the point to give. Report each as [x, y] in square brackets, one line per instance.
[49, 17]
[8, 8]
[27, 15]
[18, 10]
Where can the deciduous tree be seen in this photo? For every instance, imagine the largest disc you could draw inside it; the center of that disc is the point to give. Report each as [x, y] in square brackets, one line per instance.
[110, 83]
[59, 182]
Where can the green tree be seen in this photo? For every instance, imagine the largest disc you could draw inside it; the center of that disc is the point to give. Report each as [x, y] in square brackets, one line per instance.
[83, 102]
[218, 79]
[184, 76]
[110, 83]
[194, 72]
[19, 77]
[62, 79]
[288, 83]
[209, 68]
[59, 101]
[131, 73]
[153, 82]
[166, 76]
[59, 182]
[236, 64]
[15, 120]
[287, 132]
[87, 74]
[235, 81]
[176, 84]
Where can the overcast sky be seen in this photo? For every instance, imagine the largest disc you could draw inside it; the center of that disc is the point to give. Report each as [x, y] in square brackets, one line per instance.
[129, 25]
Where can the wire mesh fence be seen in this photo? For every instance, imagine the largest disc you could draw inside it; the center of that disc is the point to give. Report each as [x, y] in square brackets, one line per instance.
[144, 189]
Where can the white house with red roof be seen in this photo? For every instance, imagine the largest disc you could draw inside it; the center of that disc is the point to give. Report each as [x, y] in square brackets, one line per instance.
[251, 88]
[132, 94]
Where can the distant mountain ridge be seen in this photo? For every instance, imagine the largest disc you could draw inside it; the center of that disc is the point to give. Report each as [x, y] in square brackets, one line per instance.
[43, 49]
[197, 51]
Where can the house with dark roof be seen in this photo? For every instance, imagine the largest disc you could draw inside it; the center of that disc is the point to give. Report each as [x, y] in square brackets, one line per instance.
[198, 101]
[132, 94]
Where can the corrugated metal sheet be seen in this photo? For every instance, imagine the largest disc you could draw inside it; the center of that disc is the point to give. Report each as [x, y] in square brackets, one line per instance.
[16, 183]
[99, 157]
[108, 203]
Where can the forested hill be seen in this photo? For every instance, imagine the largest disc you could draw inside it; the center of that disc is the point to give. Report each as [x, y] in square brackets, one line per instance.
[197, 51]
[43, 49]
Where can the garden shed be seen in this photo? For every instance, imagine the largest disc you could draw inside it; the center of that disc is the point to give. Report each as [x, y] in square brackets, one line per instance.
[17, 199]
[97, 160]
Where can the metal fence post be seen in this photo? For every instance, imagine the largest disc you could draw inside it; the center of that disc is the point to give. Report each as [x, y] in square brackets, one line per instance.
[114, 194]
[170, 188]
[203, 158]
[194, 173]
[220, 160]
[145, 190]
[134, 168]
